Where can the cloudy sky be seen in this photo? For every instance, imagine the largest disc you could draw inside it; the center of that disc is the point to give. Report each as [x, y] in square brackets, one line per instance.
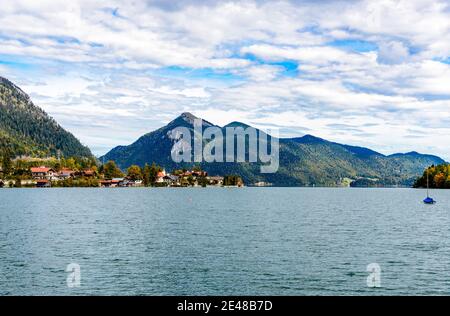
[370, 73]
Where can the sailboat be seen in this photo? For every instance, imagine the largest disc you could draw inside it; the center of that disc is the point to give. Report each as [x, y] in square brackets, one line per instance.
[428, 200]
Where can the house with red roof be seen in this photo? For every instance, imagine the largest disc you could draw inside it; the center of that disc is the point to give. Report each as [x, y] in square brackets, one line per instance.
[66, 173]
[111, 183]
[43, 173]
[160, 176]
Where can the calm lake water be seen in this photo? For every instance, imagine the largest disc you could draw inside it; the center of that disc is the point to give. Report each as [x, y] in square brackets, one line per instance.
[219, 241]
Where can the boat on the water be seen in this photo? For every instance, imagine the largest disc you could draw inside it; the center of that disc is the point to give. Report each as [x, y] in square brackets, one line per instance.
[428, 199]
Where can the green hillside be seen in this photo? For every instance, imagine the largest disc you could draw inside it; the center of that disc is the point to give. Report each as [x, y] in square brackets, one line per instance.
[27, 130]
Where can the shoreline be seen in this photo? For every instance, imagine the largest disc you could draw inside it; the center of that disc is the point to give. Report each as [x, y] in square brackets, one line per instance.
[220, 187]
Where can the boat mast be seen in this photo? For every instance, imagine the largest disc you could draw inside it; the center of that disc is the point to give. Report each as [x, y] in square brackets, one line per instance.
[428, 183]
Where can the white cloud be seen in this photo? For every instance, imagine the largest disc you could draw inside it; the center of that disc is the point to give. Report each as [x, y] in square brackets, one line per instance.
[392, 53]
[263, 72]
[133, 66]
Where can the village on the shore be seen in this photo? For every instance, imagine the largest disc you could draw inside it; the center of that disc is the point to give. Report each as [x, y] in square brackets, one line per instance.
[108, 176]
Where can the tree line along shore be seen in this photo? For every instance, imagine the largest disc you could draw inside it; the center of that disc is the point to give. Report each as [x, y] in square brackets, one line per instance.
[87, 172]
[437, 177]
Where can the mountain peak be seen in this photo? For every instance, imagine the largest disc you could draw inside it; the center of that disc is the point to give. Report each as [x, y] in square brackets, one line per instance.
[308, 139]
[188, 117]
[416, 154]
[237, 124]
[411, 154]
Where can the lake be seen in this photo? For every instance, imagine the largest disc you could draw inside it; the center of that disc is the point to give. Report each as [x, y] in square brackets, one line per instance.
[224, 241]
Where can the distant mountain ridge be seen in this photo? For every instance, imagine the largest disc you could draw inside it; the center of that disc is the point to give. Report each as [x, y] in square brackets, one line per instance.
[26, 129]
[304, 161]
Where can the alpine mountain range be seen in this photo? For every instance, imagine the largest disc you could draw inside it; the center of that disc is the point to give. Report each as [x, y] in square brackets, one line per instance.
[25, 129]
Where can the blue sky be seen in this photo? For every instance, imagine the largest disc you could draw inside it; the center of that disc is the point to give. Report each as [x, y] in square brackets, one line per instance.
[369, 73]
